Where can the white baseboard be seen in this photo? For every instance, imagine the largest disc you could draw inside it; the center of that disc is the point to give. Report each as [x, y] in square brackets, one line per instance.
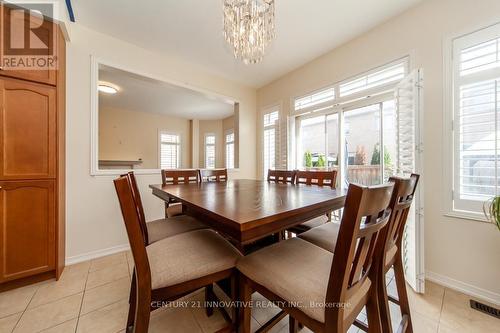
[96, 254]
[464, 288]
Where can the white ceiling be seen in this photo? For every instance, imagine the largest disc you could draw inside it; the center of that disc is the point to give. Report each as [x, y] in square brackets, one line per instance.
[192, 30]
[138, 93]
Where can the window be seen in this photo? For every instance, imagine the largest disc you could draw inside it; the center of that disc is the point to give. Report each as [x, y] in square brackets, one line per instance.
[210, 151]
[170, 150]
[270, 135]
[476, 117]
[315, 98]
[365, 111]
[379, 77]
[230, 150]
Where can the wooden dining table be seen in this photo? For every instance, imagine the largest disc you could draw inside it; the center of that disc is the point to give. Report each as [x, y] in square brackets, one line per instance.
[247, 210]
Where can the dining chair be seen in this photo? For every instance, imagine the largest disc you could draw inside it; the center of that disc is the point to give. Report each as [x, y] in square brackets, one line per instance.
[162, 228]
[314, 178]
[322, 290]
[213, 175]
[173, 267]
[281, 176]
[174, 177]
[390, 246]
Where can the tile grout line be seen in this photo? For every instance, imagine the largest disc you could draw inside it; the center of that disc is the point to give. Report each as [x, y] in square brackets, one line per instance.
[26, 308]
[83, 297]
[441, 311]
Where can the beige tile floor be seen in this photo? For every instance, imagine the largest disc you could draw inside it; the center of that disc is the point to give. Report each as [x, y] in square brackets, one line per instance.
[93, 297]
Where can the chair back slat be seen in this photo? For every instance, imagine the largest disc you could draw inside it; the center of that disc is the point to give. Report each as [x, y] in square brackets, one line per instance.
[366, 212]
[139, 207]
[281, 176]
[213, 175]
[402, 198]
[177, 176]
[135, 233]
[320, 178]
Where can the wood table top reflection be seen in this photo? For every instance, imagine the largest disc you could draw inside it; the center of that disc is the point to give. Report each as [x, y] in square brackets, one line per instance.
[247, 210]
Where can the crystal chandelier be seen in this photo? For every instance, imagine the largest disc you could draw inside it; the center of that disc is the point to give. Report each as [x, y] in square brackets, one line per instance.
[249, 28]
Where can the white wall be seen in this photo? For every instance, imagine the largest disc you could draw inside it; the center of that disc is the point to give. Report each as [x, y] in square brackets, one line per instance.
[457, 251]
[93, 222]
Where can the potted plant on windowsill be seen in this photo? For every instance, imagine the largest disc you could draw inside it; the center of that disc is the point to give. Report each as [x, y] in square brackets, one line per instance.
[491, 210]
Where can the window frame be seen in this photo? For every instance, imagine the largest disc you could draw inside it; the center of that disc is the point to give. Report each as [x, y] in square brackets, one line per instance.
[179, 147]
[206, 145]
[451, 46]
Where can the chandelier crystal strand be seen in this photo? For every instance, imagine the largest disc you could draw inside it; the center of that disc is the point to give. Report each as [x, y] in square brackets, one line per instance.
[249, 28]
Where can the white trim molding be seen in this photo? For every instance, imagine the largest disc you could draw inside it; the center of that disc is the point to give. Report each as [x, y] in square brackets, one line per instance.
[96, 254]
[465, 288]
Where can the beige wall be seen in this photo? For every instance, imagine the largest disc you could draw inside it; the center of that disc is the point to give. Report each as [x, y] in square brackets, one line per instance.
[457, 251]
[94, 224]
[129, 135]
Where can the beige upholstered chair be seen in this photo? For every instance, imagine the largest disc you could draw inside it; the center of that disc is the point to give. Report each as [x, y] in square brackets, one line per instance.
[174, 177]
[172, 267]
[390, 246]
[314, 178]
[322, 290]
[162, 228]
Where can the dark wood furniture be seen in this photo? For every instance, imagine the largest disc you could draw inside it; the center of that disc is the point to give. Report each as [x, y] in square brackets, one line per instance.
[249, 210]
[281, 176]
[32, 167]
[156, 230]
[315, 178]
[213, 175]
[390, 246]
[174, 177]
[173, 267]
[315, 286]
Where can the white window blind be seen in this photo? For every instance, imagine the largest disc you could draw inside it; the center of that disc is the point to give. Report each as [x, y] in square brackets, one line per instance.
[379, 77]
[476, 116]
[170, 150]
[271, 119]
[316, 98]
[230, 150]
[210, 151]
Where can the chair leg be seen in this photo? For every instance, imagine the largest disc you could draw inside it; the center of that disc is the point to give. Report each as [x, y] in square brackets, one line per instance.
[404, 304]
[208, 300]
[293, 325]
[373, 310]
[329, 216]
[234, 297]
[166, 209]
[132, 303]
[383, 301]
[245, 309]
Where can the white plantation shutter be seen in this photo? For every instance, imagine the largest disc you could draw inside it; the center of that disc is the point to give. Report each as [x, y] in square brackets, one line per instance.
[210, 151]
[408, 95]
[379, 77]
[230, 150]
[170, 151]
[271, 140]
[476, 116]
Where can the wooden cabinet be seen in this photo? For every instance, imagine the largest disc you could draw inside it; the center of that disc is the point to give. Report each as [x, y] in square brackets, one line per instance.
[27, 228]
[32, 168]
[27, 130]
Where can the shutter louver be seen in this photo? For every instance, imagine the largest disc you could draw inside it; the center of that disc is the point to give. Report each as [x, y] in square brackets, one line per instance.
[408, 99]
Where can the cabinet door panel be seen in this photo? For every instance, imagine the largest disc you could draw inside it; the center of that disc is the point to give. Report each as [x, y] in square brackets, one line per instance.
[44, 44]
[27, 212]
[28, 130]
